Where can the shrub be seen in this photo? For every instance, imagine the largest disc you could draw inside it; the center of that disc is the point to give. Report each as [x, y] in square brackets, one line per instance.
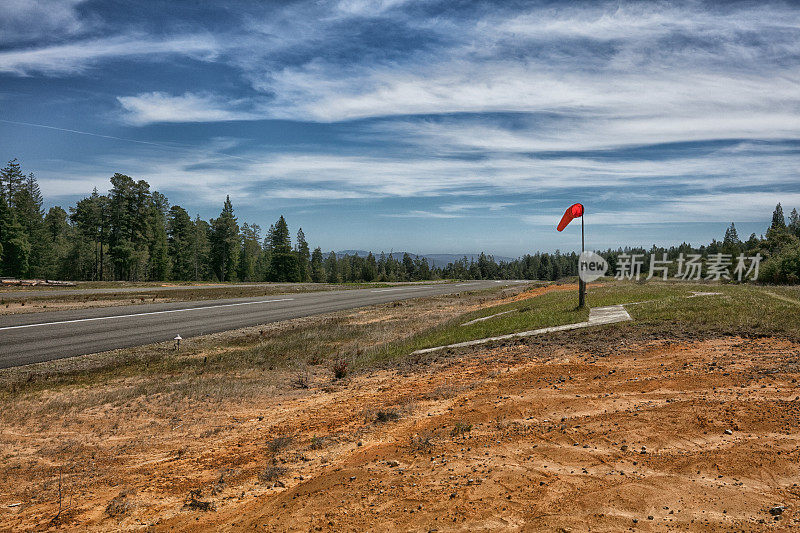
[460, 428]
[386, 416]
[279, 443]
[340, 368]
[271, 473]
[783, 267]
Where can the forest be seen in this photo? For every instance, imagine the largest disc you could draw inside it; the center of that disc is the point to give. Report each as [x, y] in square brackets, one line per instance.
[134, 234]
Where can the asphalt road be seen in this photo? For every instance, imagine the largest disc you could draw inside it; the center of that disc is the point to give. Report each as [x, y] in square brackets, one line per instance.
[23, 293]
[37, 337]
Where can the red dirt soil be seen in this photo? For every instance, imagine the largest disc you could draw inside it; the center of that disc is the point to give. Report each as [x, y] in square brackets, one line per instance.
[702, 436]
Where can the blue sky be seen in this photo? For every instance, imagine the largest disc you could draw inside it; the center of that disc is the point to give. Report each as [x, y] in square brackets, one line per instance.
[417, 125]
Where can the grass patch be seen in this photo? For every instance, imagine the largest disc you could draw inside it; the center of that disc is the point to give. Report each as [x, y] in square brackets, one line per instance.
[550, 309]
[739, 309]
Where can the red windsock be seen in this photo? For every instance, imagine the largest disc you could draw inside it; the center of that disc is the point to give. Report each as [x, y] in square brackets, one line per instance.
[573, 211]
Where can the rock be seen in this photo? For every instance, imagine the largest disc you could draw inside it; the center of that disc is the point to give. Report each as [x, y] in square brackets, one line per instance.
[777, 510]
[728, 432]
[392, 463]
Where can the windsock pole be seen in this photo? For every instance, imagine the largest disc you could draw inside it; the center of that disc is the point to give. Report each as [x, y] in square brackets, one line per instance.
[581, 283]
[574, 211]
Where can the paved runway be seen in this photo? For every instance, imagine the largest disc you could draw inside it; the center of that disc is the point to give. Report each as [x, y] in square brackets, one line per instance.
[36, 337]
[25, 293]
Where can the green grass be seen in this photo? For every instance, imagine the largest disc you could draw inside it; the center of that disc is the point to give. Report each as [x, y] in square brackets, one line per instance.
[740, 309]
[550, 309]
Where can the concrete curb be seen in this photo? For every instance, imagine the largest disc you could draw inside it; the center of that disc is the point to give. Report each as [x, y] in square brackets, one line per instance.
[597, 316]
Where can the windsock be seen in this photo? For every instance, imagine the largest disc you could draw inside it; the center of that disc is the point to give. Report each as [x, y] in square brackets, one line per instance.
[573, 211]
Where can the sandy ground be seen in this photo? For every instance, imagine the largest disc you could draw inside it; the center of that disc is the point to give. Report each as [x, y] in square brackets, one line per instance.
[646, 435]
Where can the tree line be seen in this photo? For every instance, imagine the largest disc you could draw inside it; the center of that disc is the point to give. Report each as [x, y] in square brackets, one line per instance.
[134, 234]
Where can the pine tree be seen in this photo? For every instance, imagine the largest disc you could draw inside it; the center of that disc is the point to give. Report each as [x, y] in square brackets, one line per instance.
[250, 252]
[224, 241]
[332, 268]
[778, 220]
[731, 236]
[15, 246]
[794, 223]
[27, 201]
[180, 240]
[369, 270]
[303, 265]
[57, 233]
[91, 220]
[201, 250]
[11, 181]
[129, 209]
[317, 267]
[159, 261]
[283, 262]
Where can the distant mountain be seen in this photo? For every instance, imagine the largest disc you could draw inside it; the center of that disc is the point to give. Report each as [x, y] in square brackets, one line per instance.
[437, 260]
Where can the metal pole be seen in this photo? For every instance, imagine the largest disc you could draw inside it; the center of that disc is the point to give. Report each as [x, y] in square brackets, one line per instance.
[581, 284]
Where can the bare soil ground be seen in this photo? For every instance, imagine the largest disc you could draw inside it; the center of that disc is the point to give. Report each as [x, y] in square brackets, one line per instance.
[603, 432]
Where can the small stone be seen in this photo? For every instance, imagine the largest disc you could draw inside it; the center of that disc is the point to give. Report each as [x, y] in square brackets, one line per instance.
[392, 463]
[728, 432]
[777, 510]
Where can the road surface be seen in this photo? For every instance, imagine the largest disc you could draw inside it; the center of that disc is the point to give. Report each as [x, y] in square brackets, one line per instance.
[39, 291]
[38, 337]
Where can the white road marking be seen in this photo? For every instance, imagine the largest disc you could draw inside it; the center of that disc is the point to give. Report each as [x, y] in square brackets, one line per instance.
[424, 287]
[401, 289]
[597, 316]
[142, 314]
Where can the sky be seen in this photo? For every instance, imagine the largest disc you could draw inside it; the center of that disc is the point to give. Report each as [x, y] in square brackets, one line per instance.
[428, 126]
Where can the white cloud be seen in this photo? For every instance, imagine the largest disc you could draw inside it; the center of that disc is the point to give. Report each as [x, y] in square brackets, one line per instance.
[722, 207]
[78, 56]
[423, 214]
[220, 168]
[540, 61]
[153, 107]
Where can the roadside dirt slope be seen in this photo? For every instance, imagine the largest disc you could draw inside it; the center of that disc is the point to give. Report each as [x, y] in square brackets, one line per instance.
[654, 436]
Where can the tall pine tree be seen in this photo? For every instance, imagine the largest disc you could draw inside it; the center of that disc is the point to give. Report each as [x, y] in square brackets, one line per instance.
[778, 220]
[303, 265]
[224, 243]
[283, 262]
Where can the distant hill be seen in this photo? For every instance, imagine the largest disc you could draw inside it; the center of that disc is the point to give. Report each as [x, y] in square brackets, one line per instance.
[437, 260]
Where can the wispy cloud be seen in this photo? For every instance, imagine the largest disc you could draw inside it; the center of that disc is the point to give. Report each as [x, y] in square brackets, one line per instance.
[152, 107]
[703, 208]
[76, 57]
